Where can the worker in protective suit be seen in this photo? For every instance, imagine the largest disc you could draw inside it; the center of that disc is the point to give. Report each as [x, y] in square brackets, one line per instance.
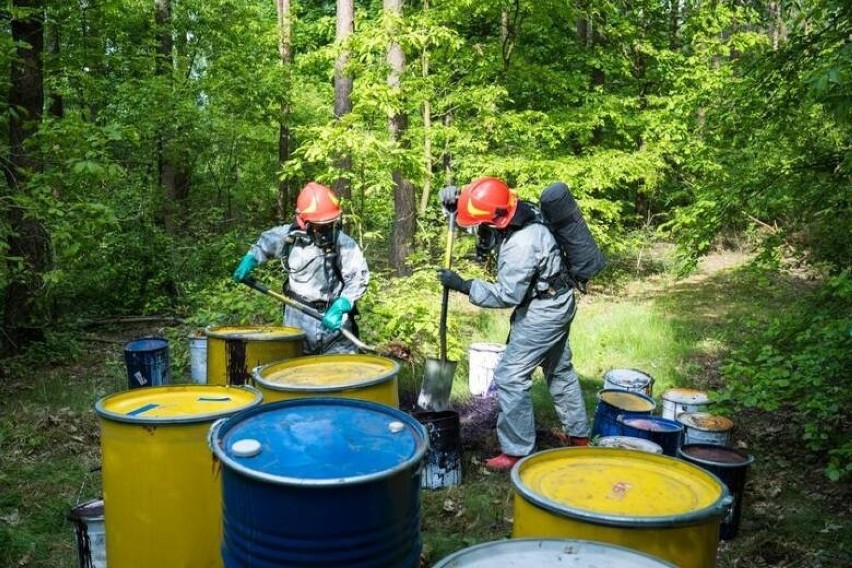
[325, 268]
[531, 278]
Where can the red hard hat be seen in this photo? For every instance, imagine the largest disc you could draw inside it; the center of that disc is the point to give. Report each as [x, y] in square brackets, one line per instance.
[486, 200]
[316, 204]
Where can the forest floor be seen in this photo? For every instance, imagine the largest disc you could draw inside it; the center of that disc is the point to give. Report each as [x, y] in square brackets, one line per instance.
[49, 448]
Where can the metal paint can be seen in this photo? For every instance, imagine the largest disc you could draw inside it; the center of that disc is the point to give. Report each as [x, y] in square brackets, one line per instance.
[318, 482]
[549, 553]
[632, 380]
[679, 400]
[147, 362]
[442, 466]
[88, 519]
[611, 403]
[628, 443]
[162, 494]
[667, 433]
[363, 377]
[706, 428]
[233, 351]
[659, 505]
[729, 465]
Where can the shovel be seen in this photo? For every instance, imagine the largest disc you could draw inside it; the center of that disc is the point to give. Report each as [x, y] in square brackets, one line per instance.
[438, 379]
[308, 311]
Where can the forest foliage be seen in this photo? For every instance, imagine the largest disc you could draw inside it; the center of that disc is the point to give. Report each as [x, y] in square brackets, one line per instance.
[151, 157]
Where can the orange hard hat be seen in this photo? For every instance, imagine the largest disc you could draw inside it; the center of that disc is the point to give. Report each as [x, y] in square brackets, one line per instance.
[316, 204]
[486, 200]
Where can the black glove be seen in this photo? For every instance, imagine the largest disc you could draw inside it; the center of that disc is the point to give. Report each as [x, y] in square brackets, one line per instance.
[450, 279]
[449, 196]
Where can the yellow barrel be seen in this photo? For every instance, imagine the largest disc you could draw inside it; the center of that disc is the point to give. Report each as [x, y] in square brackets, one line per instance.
[363, 377]
[162, 494]
[656, 504]
[233, 351]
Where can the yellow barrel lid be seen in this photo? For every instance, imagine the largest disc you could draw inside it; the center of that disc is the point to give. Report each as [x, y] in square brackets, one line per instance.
[255, 332]
[326, 372]
[705, 421]
[612, 486]
[627, 400]
[177, 404]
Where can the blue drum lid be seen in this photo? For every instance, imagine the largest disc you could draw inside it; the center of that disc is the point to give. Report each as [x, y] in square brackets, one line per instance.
[146, 344]
[319, 441]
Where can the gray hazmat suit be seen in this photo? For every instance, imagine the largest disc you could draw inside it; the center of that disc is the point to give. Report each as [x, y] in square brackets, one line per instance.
[317, 278]
[538, 336]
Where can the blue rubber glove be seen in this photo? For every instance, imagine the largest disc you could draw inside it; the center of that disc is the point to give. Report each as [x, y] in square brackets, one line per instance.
[333, 317]
[247, 264]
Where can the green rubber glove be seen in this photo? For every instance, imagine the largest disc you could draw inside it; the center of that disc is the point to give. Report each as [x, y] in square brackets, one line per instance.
[333, 318]
[247, 264]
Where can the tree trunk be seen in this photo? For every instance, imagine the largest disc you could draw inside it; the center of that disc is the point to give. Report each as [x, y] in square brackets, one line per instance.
[174, 170]
[427, 133]
[343, 90]
[56, 106]
[28, 254]
[776, 23]
[509, 24]
[286, 195]
[402, 234]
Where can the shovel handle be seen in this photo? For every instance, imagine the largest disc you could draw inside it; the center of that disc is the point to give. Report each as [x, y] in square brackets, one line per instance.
[308, 311]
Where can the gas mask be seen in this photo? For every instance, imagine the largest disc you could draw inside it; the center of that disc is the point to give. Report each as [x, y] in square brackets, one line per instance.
[487, 239]
[324, 236]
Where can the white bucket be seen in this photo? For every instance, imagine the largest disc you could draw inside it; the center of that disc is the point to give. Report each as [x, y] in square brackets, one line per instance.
[198, 358]
[88, 521]
[482, 359]
[679, 400]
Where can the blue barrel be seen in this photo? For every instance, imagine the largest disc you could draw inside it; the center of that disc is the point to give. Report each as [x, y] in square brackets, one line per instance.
[612, 403]
[318, 482]
[147, 362]
[667, 433]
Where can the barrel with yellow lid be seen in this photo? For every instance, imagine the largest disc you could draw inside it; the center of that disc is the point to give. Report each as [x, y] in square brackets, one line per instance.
[363, 377]
[656, 504]
[233, 351]
[614, 402]
[162, 495]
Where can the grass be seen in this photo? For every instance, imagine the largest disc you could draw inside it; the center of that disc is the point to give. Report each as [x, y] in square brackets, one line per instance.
[676, 331]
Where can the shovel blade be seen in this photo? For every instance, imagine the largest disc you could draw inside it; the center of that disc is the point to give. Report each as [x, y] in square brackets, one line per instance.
[437, 384]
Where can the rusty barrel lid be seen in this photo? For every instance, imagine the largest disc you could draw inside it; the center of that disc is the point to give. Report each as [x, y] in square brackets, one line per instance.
[705, 421]
[714, 455]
